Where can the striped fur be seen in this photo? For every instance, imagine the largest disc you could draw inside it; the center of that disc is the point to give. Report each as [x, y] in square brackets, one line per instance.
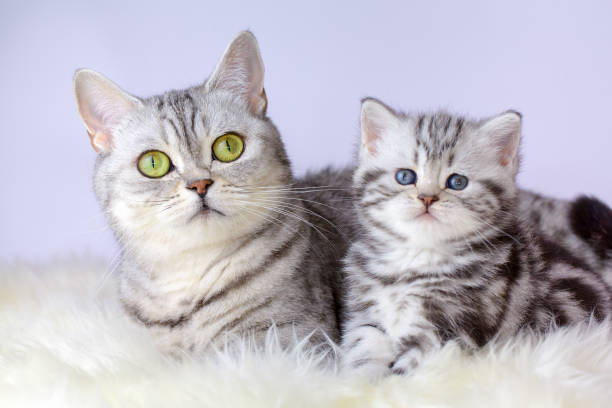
[486, 262]
[264, 250]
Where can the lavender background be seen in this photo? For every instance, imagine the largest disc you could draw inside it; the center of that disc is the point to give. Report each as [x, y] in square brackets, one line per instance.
[552, 60]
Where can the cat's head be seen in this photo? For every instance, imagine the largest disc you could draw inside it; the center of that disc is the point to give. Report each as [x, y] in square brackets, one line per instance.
[185, 168]
[435, 177]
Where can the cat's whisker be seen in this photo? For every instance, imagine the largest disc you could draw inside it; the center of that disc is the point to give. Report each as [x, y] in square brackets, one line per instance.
[299, 190]
[273, 220]
[286, 197]
[316, 251]
[300, 199]
[289, 188]
[293, 215]
[112, 267]
[298, 207]
[269, 218]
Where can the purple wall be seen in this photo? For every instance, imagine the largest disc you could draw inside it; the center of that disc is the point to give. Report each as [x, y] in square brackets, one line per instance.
[550, 60]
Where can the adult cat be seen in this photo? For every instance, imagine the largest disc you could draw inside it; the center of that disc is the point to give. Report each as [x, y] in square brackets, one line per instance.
[216, 235]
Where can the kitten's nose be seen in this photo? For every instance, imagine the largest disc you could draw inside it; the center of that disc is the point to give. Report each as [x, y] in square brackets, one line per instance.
[428, 200]
[200, 186]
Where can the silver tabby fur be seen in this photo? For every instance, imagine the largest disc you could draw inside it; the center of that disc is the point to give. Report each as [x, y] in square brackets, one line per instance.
[263, 249]
[485, 263]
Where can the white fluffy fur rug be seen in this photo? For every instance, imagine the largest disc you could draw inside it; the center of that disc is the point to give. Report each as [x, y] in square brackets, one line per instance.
[65, 342]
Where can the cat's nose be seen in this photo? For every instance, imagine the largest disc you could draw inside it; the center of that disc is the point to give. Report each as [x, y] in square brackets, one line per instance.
[200, 186]
[428, 200]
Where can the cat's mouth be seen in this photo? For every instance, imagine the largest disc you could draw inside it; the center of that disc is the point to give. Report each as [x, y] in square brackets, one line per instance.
[205, 210]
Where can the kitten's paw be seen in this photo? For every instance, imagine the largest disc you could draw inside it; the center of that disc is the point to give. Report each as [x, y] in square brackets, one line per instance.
[407, 363]
[370, 369]
[367, 352]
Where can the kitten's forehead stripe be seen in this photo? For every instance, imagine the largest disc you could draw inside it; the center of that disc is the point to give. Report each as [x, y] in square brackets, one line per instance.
[448, 122]
[419, 125]
[440, 135]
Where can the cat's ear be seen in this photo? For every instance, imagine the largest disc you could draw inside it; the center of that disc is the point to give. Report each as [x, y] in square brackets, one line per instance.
[376, 118]
[102, 105]
[241, 72]
[503, 133]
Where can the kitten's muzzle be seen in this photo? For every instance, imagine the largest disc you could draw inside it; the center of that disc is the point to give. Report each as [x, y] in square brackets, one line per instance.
[200, 186]
[428, 200]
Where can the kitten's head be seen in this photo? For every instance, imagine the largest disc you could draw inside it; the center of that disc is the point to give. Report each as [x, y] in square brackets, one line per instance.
[185, 168]
[435, 177]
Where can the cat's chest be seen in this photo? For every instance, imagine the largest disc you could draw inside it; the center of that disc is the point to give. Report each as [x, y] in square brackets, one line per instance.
[171, 285]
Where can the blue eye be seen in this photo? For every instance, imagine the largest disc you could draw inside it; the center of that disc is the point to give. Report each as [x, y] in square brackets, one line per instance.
[457, 182]
[405, 177]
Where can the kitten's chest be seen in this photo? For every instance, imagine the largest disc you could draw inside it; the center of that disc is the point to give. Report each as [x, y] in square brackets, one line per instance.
[411, 287]
[398, 309]
[402, 260]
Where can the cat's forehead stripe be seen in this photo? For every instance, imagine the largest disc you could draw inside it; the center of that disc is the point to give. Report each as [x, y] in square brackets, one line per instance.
[179, 109]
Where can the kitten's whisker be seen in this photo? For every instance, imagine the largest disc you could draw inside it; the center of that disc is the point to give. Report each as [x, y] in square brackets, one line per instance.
[494, 228]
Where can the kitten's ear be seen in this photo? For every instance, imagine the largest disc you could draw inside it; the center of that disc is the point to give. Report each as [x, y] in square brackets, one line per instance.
[376, 118]
[102, 105]
[503, 132]
[241, 72]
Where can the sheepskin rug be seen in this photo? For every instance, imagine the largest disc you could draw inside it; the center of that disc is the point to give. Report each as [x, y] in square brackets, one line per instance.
[65, 342]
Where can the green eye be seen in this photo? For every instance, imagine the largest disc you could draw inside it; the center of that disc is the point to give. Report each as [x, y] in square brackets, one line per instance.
[228, 147]
[154, 164]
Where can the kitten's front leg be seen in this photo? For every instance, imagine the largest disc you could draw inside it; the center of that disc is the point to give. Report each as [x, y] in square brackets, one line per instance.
[367, 351]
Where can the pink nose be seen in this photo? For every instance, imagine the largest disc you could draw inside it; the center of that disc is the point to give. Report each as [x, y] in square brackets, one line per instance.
[428, 200]
[200, 186]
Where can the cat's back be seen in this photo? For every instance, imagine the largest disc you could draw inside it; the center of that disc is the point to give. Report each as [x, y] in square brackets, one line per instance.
[327, 198]
[329, 195]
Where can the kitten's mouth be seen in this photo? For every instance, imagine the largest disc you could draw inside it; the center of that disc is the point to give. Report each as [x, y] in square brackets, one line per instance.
[426, 216]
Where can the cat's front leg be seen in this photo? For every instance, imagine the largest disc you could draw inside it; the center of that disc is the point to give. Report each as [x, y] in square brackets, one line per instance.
[367, 351]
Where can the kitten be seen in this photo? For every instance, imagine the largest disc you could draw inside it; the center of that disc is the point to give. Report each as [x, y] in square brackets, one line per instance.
[444, 252]
[216, 235]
